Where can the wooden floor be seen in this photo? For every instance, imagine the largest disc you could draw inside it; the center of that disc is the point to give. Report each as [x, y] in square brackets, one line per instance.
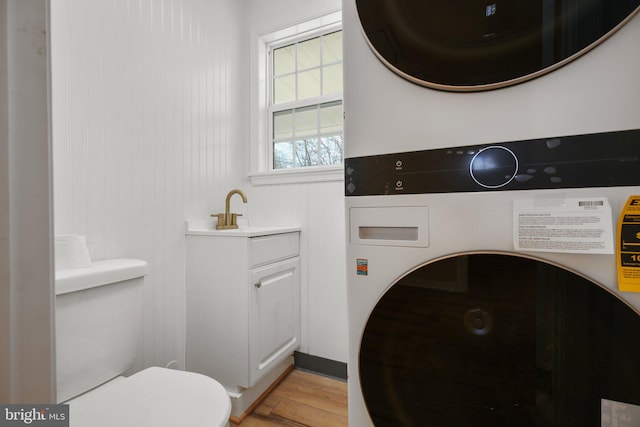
[302, 399]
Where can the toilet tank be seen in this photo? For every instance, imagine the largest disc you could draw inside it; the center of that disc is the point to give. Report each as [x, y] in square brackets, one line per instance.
[98, 323]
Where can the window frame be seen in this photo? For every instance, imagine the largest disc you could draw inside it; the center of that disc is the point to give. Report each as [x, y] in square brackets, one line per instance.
[263, 149]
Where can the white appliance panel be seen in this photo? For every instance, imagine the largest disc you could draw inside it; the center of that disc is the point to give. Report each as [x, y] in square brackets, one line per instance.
[384, 114]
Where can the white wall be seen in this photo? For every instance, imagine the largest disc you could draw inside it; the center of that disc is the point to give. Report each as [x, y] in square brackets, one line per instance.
[27, 372]
[147, 131]
[151, 126]
[317, 207]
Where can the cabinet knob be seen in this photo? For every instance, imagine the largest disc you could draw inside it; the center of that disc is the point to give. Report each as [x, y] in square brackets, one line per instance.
[258, 285]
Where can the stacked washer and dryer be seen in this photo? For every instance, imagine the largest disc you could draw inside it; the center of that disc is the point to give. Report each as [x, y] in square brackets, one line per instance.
[489, 151]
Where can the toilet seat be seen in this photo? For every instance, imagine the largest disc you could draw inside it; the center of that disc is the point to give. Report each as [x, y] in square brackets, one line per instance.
[153, 397]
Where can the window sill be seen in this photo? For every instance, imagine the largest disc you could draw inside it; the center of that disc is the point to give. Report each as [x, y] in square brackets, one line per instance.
[298, 176]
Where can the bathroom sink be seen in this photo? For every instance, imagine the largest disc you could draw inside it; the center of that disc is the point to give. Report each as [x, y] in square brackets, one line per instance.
[206, 227]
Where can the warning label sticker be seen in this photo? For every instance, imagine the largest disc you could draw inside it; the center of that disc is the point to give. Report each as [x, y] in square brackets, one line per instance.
[628, 248]
[567, 225]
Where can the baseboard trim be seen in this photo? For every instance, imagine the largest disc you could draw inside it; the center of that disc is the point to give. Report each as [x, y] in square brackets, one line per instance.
[320, 365]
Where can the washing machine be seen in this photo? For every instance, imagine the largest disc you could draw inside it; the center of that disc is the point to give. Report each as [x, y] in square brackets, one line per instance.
[482, 230]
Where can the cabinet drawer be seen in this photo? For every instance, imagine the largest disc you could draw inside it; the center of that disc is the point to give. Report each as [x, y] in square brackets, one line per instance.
[275, 247]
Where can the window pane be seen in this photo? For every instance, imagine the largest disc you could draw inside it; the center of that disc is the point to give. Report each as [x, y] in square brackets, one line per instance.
[332, 79]
[309, 54]
[282, 155]
[306, 122]
[331, 150]
[284, 89]
[311, 133]
[284, 60]
[309, 84]
[283, 125]
[332, 47]
[307, 152]
[331, 118]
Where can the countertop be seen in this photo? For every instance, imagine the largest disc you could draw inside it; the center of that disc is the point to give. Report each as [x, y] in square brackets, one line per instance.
[208, 228]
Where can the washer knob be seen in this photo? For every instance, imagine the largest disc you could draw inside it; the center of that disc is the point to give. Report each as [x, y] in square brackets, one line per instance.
[493, 167]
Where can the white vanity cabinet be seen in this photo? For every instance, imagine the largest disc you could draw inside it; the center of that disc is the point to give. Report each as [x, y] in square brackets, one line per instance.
[243, 302]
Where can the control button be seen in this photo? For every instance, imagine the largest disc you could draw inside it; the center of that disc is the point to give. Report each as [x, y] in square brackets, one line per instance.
[493, 167]
[399, 164]
[398, 184]
[550, 170]
[351, 187]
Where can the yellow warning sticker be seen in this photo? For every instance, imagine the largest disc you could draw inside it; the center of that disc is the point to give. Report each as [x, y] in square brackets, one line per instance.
[628, 247]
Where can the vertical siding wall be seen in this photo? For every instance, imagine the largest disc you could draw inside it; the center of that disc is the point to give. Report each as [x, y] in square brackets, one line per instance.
[145, 134]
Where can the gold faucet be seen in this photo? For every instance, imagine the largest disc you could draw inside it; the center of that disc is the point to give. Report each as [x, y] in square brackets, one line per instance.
[226, 220]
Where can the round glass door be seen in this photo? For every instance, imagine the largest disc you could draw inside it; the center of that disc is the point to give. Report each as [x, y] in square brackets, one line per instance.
[498, 340]
[477, 45]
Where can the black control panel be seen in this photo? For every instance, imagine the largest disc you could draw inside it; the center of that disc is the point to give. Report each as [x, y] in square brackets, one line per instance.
[578, 161]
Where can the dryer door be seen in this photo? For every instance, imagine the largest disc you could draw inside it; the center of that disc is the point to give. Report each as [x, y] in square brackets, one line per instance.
[475, 45]
[498, 340]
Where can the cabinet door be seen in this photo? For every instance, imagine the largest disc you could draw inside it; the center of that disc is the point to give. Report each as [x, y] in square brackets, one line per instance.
[274, 315]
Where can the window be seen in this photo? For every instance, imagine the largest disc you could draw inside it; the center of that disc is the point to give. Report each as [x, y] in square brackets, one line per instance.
[305, 99]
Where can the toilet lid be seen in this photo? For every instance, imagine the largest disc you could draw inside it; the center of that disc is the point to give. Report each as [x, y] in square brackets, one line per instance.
[153, 397]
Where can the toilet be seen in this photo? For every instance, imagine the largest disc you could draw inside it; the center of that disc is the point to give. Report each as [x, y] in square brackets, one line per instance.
[98, 334]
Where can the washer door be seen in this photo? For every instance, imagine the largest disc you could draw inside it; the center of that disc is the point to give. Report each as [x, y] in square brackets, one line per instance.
[498, 340]
[476, 45]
